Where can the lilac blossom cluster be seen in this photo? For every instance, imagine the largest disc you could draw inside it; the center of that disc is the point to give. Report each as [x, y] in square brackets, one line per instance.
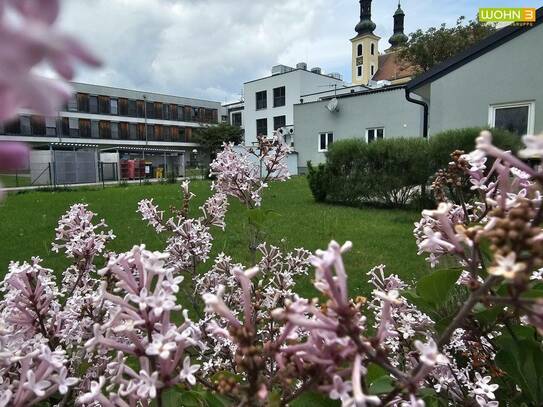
[28, 37]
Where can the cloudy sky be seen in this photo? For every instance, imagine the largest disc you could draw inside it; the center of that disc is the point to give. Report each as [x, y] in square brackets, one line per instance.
[209, 48]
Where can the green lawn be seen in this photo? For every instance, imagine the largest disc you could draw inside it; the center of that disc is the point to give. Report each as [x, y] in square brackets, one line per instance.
[11, 180]
[27, 224]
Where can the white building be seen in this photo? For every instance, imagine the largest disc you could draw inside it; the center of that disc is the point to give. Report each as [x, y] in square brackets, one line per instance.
[269, 101]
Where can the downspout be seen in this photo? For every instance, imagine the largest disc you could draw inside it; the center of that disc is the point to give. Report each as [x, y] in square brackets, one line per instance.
[425, 114]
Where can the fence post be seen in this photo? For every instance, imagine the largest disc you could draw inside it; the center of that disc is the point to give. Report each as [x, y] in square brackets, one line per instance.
[102, 175]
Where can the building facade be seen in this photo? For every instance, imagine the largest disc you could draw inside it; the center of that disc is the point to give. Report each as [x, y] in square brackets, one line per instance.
[269, 101]
[151, 127]
[370, 115]
[496, 83]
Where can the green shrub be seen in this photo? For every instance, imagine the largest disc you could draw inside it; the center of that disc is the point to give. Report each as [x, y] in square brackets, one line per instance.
[387, 172]
[443, 144]
[391, 172]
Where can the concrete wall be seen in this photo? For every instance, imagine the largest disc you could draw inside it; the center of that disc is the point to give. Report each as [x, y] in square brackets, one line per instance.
[510, 73]
[40, 172]
[388, 109]
[296, 82]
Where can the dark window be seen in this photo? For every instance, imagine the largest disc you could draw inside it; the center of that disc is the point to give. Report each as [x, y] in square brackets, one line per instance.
[375, 134]
[514, 119]
[38, 125]
[279, 97]
[103, 105]
[132, 109]
[237, 119]
[150, 106]
[26, 128]
[72, 104]
[133, 131]
[166, 111]
[158, 110]
[150, 132]
[83, 102]
[140, 104]
[73, 124]
[51, 126]
[261, 100]
[123, 131]
[325, 140]
[262, 127]
[65, 126]
[114, 130]
[141, 131]
[158, 133]
[359, 71]
[359, 50]
[114, 107]
[123, 107]
[173, 112]
[105, 129]
[84, 128]
[93, 104]
[279, 121]
[372, 49]
[166, 133]
[13, 127]
[372, 70]
[95, 129]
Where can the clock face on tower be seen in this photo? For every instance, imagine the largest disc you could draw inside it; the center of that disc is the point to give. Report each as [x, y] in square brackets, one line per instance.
[360, 61]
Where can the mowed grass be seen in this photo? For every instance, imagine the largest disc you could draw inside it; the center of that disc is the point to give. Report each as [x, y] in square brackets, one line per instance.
[27, 223]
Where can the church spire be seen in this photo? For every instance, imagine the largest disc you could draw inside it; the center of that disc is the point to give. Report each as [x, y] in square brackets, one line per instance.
[365, 26]
[398, 38]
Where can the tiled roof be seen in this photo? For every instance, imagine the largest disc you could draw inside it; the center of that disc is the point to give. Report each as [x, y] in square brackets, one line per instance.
[391, 68]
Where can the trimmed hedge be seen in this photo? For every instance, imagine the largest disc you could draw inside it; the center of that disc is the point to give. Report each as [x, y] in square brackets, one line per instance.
[391, 172]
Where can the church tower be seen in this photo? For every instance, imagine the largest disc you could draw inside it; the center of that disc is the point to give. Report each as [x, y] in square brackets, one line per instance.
[365, 47]
[398, 39]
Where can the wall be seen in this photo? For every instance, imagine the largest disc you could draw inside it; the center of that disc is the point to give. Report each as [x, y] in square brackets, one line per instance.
[508, 73]
[296, 82]
[388, 109]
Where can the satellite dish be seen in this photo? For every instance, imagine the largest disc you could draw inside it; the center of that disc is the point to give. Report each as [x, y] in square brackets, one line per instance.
[333, 105]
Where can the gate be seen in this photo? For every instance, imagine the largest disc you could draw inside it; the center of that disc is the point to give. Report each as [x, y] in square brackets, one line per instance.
[75, 167]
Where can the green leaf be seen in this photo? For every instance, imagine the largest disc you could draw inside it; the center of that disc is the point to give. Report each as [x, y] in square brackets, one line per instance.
[522, 360]
[437, 287]
[382, 385]
[313, 399]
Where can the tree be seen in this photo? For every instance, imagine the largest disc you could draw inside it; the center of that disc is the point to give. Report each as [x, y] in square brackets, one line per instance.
[211, 138]
[435, 45]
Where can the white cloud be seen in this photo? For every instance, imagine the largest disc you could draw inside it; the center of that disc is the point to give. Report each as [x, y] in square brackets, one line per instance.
[208, 48]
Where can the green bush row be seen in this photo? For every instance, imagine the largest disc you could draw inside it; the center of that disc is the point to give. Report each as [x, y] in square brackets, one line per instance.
[393, 172]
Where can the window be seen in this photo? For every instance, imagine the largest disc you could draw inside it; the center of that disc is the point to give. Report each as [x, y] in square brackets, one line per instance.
[83, 102]
[140, 107]
[133, 131]
[114, 130]
[359, 50]
[516, 117]
[150, 106]
[372, 69]
[279, 121]
[166, 112]
[105, 129]
[375, 134]
[123, 107]
[103, 104]
[132, 108]
[84, 128]
[262, 127]
[261, 100]
[72, 104]
[173, 112]
[26, 129]
[123, 131]
[359, 71]
[13, 127]
[51, 126]
[38, 125]
[93, 104]
[94, 129]
[372, 48]
[279, 97]
[114, 106]
[236, 119]
[73, 126]
[325, 139]
[150, 132]
[65, 126]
